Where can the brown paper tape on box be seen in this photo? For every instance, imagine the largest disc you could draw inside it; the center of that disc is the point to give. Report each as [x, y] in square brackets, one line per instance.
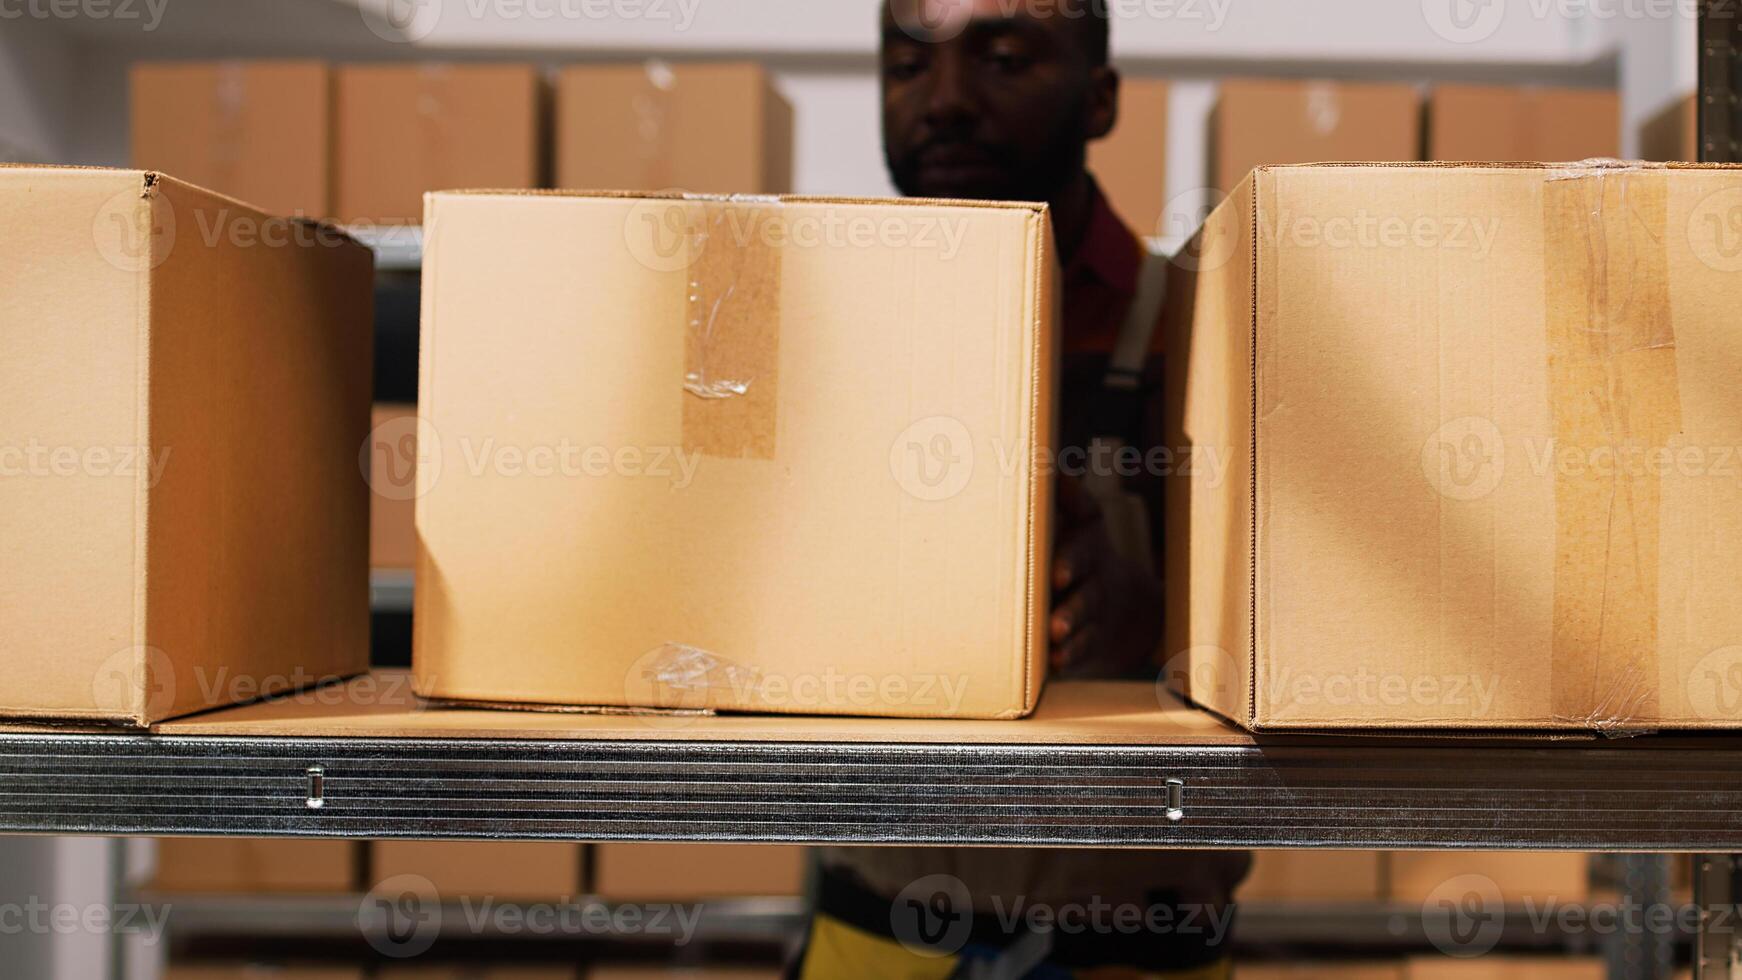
[1613, 393]
[731, 380]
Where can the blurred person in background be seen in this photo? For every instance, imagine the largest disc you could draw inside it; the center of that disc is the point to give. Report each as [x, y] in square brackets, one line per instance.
[998, 100]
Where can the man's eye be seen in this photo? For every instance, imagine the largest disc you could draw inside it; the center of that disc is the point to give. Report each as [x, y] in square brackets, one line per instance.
[903, 69]
[1009, 62]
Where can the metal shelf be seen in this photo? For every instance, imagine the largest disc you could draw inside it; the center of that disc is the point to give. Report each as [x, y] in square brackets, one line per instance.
[1647, 795]
[390, 590]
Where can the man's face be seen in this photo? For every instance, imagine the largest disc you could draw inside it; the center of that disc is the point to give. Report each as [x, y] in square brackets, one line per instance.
[982, 103]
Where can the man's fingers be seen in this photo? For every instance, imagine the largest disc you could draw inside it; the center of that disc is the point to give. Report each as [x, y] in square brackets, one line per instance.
[1069, 616]
[1075, 651]
[1079, 556]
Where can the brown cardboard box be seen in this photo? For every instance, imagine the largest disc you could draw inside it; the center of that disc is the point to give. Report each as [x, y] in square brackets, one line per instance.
[1506, 968]
[184, 385]
[662, 872]
[393, 486]
[259, 131]
[789, 467]
[1321, 971]
[478, 971]
[258, 971]
[1673, 134]
[403, 130]
[230, 865]
[1513, 877]
[704, 128]
[503, 870]
[1415, 388]
[1257, 123]
[1314, 876]
[1131, 163]
[1490, 122]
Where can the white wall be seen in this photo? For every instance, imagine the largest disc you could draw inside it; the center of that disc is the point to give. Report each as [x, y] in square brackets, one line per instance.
[36, 64]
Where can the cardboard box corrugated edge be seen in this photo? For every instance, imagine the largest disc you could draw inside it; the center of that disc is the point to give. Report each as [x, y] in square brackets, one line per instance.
[1042, 415]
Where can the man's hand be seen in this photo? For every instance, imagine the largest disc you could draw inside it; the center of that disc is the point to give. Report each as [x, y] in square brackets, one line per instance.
[1107, 609]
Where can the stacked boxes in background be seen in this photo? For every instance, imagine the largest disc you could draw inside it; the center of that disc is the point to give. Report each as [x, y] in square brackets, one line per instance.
[1404, 371]
[1258, 123]
[710, 499]
[700, 128]
[504, 871]
[239, 866]
[1322, 971]
[218, 553]
[662, 872]
[257, 971]
[258, 131]
[1131, 163]
[403, 130]
[1673, 135]
[1492, 967]
[1510, 877]
[1486, 122]
[1315, 877]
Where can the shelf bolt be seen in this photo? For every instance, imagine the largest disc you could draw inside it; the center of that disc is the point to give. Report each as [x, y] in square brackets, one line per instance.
[317, 787]
[1176, 799]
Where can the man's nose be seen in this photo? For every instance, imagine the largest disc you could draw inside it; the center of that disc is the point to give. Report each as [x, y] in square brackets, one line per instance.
[951, 99]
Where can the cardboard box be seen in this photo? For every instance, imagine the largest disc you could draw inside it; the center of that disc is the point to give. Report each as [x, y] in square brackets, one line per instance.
[1425, 406]
[404, 130]
[703, 128]
[1258, 123]
[1314, 876]
[1507, 968]
[478, 971]
[393, 486]
[184, 385]
[233, 865]
[1491, 122]
[662, 872]
[259, 131]
[502, 870]
[1131, 163]
[1673, 135]
[789, 465]
[1512, 877]
[258, 971]
[1321, 971]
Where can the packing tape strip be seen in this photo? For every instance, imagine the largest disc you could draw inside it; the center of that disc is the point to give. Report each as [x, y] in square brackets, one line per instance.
[1613, 386]
[731, 380]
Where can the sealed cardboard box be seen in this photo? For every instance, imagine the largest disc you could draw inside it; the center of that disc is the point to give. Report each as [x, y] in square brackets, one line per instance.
[1314, 876]
[404, 130]
[703, 128]
[231, 866]
[503, 870]
[184, 385]
[1488, 412]
[1511, 877]
[393, 486]
[259, 131]
[635, 872]
[1673, 134]
[1321, 971]
[793, 463]
[1492, 967]
[1131, 163]
[1492, 122]
[1258, 123]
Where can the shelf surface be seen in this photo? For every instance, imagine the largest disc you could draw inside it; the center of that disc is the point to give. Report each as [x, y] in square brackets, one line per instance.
[1092, 768]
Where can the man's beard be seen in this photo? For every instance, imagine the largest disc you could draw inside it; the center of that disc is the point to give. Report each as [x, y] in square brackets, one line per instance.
[1038, 179]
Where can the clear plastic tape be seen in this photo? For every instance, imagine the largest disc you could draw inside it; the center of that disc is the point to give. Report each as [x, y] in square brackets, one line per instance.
[1612, 383]
[682, 668]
